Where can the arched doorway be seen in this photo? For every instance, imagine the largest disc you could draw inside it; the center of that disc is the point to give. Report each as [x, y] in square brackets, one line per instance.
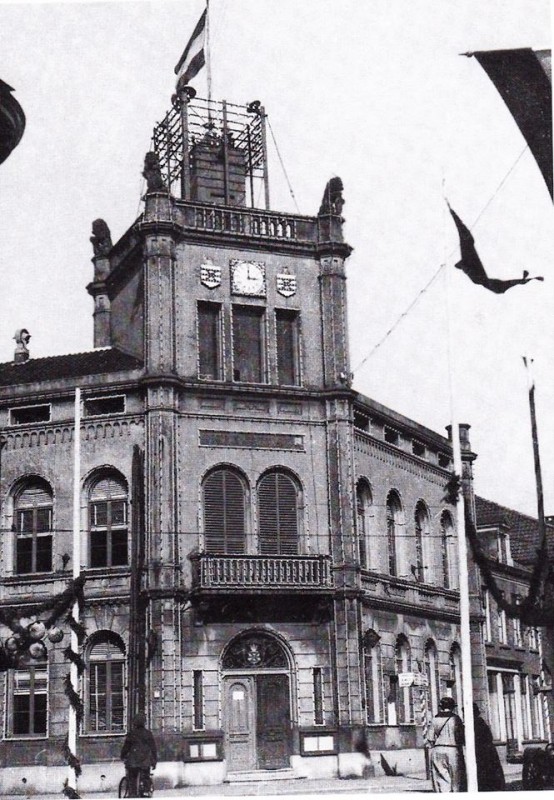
[256, 703]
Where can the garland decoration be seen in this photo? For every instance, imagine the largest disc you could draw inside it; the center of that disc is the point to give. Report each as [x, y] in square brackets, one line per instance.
[74, 699]
[71, 759]
[76, 659]
[69, 791]
[533, 610]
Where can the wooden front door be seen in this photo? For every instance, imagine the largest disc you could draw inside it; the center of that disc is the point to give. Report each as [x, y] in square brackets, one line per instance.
[273, 721]
[240, 727]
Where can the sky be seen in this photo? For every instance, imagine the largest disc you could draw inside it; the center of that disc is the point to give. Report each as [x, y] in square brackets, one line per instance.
[376, 92]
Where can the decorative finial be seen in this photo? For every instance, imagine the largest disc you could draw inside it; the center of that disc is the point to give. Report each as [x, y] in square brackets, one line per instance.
[333, 201]
[21, 354]
[101, 238]
[153, 173]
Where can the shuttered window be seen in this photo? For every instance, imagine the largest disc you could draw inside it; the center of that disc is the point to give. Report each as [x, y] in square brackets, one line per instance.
[209, 340]
[286, 323]
[108, 522]
[106, 673]
[278, 515]
[248, 344]
[224, 515]
[33, 520]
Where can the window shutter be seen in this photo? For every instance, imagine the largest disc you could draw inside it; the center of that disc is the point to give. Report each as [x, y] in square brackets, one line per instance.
[224, 513]
[34, 495]
[278, 513]
[106, 649]
[107, 487]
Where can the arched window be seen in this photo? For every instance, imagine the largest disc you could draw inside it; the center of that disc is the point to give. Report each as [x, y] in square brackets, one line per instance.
[106, 682]
[456, 673]
[421, 532]
[364, 519]
[108, 521]
[432, 673]
[394, 509]
[373, 674]
[403, 662]
[33, 526]
[278, 514]
[224, 512]
[447, 533]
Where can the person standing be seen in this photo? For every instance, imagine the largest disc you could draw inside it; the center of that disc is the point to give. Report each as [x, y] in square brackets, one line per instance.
[490, 775]
[446, 740]
[138, 753]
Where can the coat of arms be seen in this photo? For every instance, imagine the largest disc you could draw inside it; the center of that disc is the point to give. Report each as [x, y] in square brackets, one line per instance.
[210, 275]
[286, 284]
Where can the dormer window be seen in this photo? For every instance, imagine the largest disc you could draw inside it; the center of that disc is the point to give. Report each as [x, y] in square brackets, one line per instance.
[504, 555]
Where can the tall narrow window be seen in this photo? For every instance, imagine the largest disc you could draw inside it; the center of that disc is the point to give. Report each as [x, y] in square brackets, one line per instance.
[318, 696]
[248, 344]
[364, 519]
[496, 724]
[224, 512]
[488, 616]
[209, 341]
[393, 519]
[456, 673]
[278, 512]
[29, 701]
[108, 522]
[106, 675]
[198, 700]
[373, 675]
[286, 323]
[421, 531]
[33, 524]
[432, 673]
[446, 535]
[404, 699]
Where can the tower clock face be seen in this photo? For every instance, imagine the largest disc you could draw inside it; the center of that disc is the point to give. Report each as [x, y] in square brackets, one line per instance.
[248, 277]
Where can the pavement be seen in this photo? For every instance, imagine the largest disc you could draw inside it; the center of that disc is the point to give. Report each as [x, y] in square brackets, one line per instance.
[360, 787]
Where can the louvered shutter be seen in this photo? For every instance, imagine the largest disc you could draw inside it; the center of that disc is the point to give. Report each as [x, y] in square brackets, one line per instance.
[224, 513]
[106, 649]
[108, 487]
[278, 515]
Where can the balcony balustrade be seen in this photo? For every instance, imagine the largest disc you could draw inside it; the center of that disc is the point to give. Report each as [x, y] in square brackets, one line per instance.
[290, 573]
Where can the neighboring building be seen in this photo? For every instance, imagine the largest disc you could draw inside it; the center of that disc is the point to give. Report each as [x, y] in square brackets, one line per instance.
[518, 674]
[286, 560]
[12, 121]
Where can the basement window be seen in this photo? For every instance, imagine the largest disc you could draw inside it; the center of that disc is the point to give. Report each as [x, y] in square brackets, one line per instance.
[99, 406]
[27, 414]
[391, 436]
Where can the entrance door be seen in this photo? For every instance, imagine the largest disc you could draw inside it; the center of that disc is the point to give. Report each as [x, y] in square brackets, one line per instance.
[273, 721]
[240, 729]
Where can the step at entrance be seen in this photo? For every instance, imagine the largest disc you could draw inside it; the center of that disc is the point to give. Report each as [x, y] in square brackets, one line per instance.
[261, 775]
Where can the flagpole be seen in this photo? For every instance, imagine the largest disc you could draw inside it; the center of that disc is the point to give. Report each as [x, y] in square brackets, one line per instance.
[465, 631]
[73, 672]
[208, 59]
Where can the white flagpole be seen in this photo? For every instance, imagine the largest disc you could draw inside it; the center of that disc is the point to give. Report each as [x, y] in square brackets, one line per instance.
[73, 673]
[465, 632]
[208, 57]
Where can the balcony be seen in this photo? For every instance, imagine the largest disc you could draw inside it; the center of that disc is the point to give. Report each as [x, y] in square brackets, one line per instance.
[260, 573]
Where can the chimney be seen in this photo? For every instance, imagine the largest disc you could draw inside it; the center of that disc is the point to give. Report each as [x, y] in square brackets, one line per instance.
[21, 354]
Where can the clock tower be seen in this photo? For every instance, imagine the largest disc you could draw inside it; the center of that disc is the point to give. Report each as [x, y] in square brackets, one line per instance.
[239, 314]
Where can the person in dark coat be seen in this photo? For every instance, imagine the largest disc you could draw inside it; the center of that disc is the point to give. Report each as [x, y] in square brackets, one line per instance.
[490, 775]
[139, 753]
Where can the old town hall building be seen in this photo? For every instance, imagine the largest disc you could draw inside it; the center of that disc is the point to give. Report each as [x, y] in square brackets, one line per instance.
[267, 553]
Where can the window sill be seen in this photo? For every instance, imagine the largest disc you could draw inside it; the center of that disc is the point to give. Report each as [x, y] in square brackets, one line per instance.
[100, 734]
[98, 572]
[34, 577]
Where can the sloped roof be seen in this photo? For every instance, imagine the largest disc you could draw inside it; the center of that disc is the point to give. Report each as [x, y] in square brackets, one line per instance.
[523, 529]
[73, 365]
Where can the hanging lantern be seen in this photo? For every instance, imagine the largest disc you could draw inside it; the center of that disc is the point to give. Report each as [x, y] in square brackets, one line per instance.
[55, 635]
[37, 630]
[37, 650]
[13, 644]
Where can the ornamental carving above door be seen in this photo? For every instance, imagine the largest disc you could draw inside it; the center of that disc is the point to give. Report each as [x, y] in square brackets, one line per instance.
[254, 651]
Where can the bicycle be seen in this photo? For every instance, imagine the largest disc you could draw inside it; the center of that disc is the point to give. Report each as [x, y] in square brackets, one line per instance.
[145, 785]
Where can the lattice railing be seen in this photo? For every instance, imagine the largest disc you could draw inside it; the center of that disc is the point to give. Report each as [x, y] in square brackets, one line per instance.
[247, 222]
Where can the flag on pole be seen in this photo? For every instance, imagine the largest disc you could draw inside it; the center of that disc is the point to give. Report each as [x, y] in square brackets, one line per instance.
[523, 78]
[471, 263]
[193, 58]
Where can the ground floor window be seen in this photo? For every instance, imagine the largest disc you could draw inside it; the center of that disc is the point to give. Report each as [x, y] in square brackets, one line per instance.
[29, 701]
[516, 711]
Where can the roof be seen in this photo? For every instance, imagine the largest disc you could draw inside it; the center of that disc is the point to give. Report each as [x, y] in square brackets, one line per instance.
[73, 365]
[523, 529]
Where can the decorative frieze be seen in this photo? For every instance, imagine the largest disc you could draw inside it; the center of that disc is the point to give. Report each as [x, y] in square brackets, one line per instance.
[252, 440]
[398, 459]
[63, 434]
